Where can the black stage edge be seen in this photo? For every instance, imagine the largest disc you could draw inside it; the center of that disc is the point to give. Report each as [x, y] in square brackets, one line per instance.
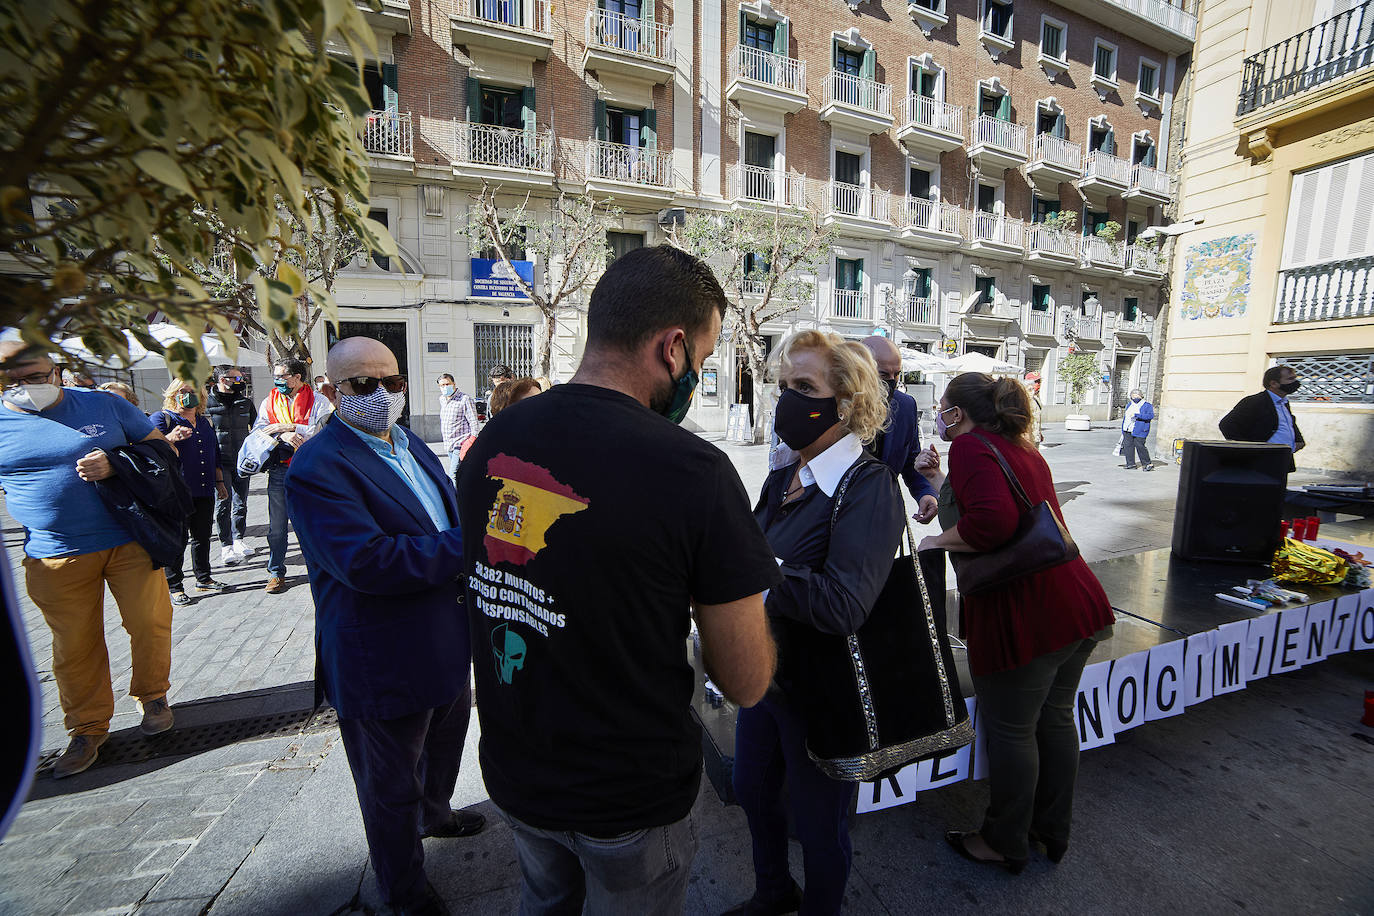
[1159, 598]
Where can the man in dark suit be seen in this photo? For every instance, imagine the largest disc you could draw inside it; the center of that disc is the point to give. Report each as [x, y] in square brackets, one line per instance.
[1266, 417]
[899, 444]
[376, 517]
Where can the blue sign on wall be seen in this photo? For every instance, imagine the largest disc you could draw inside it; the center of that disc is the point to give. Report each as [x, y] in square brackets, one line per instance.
[492, 279]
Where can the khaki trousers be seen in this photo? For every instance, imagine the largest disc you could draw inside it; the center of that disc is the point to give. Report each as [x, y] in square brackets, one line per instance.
[70, 591]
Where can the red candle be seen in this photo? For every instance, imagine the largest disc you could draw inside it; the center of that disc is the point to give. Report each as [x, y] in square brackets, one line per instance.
[1299, 529]
[1313, 523]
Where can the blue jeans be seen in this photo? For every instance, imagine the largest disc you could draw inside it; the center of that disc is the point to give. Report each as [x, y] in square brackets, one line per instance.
[453, 464]
[640, 872]
[231, 515]
[277, 522]
[770, 751]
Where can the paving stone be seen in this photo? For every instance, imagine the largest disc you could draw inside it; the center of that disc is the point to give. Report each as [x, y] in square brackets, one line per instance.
[114, 895]
[161, 858]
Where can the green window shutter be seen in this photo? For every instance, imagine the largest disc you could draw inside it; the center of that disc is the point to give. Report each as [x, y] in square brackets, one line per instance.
[1149, 160]
[859, 274]
[780, 39]
[527, 117]
[389, 87]
[474, 101]
[1004, 107]
[743, 24]
[870, 64]
[648, 132]
[1109, 142]
[599, 119]
[1061, 127]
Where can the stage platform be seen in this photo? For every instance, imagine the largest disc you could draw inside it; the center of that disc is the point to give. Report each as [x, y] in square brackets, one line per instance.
[1158, 598]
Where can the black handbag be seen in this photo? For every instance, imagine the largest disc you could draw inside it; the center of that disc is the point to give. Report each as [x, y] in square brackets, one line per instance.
[886, 695]
[1040, 542]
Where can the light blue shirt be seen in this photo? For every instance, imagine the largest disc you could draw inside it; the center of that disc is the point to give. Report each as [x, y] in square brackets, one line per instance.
[1283, 433]
[408, 469]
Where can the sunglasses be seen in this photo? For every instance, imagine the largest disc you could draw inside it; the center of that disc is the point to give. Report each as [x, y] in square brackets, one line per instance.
[363, 385]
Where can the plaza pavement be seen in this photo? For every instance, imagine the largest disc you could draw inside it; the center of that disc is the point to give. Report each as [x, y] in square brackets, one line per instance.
[1256, 802]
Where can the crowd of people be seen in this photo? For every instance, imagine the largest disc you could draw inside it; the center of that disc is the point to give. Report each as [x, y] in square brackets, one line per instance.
[557, 562]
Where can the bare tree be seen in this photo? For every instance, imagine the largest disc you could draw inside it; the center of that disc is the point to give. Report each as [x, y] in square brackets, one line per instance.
[570, 243]
[767, 261]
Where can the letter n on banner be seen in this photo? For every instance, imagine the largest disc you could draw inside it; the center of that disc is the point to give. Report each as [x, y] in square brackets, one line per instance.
[1342, 632]
[1364, 621]
[1093, 708]
[1316, 636]
[1228, 662]
[1126, 690]
[1288, 647]
[1164, 679]
[1198, 655]
[1259, 646]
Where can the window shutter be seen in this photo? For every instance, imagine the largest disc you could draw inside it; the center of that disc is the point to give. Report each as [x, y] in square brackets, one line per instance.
[599, 119]
[1109, 141]
[834, 54]
[1149, 160]
[648, 133]
[390, 95]
[1004, 107]
[650, 38]
[1061, 127]
[743, 25]
[781, 39]
[527, 108]
[870, 64]
[474, 101]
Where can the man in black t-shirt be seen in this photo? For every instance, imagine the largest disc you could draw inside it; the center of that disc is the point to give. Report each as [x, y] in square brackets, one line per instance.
[592, 527]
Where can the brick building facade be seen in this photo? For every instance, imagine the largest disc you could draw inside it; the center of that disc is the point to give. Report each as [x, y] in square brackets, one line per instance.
[936, 136]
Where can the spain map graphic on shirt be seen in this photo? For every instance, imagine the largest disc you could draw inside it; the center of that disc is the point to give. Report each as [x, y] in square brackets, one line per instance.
[529, 503]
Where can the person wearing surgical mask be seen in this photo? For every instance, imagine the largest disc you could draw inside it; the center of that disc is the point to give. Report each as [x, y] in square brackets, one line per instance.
[377, 522]
[53, 448]
[1267, 416]
[183, 421]
[457, 420]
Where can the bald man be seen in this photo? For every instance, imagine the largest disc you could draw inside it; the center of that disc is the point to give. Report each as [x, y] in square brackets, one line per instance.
[52, 442]
[899, 444]
[375, 515]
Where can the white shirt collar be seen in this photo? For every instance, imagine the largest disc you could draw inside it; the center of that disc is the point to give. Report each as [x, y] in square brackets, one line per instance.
[827, 468]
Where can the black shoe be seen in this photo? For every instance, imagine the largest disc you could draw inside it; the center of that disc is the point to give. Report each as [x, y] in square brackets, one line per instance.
[180, 598]
[1149, 467]
[428, 903]
[210, 585]
[958, 839]
[788, 903]
[463, 823]
[1130, 467]
[1054, 849]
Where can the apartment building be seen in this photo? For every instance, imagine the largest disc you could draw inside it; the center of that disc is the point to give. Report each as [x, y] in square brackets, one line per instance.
[990, 166]
[1277, 261]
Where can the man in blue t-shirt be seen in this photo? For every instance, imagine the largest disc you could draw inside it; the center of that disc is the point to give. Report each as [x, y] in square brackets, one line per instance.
[51, 442]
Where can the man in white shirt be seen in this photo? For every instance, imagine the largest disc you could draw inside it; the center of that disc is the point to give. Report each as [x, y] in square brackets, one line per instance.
[457, 419]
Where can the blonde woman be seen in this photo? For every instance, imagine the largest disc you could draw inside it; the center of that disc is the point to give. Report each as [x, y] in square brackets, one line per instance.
[832, 404]
[122, 390]
[183, 421]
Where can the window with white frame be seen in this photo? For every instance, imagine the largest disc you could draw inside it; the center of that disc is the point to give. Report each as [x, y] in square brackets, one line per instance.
[995, 18]
[1329, 214]
[1053, 39]
[934, 6]
[1104, 61]
[1147, 82]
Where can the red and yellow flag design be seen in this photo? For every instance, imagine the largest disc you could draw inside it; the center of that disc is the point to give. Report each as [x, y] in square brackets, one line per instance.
[529, 502]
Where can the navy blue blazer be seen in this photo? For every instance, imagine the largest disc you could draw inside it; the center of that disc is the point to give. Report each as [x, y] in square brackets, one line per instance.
[391, 633]
[902, 442]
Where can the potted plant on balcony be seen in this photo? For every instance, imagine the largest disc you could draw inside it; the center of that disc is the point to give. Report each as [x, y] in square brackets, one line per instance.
[1108, 231]
[1078, 370]
[1062, 221]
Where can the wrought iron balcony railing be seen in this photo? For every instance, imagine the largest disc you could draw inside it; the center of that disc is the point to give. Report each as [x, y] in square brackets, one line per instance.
[388, 133]
[778, 70]
[1326, 292]
[1322, 54]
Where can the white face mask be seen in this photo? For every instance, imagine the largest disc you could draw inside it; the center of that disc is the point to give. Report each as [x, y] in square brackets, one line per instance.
[447, 390]
[32, 397]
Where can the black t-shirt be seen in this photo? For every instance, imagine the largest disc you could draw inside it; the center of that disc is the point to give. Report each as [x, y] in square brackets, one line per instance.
[590, 524]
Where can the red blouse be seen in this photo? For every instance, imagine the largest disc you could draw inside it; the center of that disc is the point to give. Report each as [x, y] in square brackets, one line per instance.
[1010, 626]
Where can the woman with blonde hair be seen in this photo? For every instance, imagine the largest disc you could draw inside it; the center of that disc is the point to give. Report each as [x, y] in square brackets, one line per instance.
[1029, 638]
[122, 390]
[183, 421]
[834, 565]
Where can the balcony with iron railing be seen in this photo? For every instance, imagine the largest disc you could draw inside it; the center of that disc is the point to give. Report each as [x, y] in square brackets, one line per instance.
[998, 236]
[518, 27]
[1104, 174]
[932, 223]
[389, 133]
[1331, 291]
[637, 48]
[1037, 322]
[1149, 185]
[752, 184]
[857, 210]
[629, 172]
[1144, 261]
[922, 310]
[1137, 325]
[1320, 57]
[930, 126]
[995, 144]
[1054, 160]
[1170, 25]
[1102, 257]
[1085, 327]
[506, 154]
[856, 103]
[1045, 245]
[763, 79]
[849, 303]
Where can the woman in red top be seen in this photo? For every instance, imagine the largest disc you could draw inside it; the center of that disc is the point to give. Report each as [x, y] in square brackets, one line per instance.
[1028, 640]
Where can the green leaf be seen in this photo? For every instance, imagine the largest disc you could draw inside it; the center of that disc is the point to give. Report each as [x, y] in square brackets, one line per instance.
[161, 167]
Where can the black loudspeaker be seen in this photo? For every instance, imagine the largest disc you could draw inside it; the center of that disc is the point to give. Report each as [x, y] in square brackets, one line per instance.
[1230, 501]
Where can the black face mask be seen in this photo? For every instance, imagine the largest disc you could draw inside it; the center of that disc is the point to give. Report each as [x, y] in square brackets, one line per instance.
[1290, 387]
[800, 420]
[891, 385]
[237, 387]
